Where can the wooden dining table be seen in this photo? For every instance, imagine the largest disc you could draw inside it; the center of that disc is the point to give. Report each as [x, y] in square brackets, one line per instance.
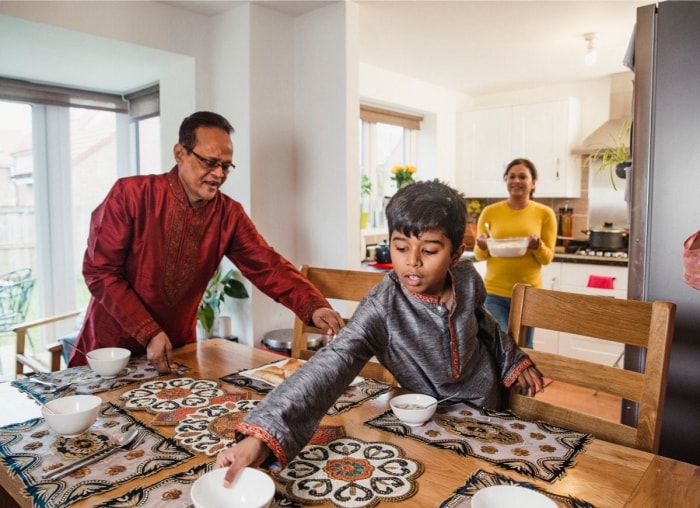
[604, 474]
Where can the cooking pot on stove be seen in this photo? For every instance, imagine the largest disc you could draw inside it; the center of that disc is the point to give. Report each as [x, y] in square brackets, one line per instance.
[382, 253]
[607, 237]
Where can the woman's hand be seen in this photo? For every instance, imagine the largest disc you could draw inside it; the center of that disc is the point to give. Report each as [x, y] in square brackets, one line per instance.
[481, 241]
[530, 382]
[249, 452]
[535, 242]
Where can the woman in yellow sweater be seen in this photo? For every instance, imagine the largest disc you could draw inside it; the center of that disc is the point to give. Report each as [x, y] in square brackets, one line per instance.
[516, 216]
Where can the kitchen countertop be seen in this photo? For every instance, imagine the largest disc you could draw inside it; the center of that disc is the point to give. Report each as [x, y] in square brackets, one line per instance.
[573, 258]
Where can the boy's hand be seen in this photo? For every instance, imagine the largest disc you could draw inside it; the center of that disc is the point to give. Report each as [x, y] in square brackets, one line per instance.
[530, 382]
[251, 451]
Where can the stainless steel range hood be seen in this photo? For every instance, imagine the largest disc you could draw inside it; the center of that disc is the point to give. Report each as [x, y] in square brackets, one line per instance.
[620, 111]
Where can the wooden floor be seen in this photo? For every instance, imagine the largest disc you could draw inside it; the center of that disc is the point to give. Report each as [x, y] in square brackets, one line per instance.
[600, 404]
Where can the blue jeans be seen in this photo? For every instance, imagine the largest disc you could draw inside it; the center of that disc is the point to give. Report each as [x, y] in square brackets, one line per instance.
[499, 307]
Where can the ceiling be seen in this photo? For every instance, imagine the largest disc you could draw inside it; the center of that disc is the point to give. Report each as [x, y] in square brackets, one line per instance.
[475, 47]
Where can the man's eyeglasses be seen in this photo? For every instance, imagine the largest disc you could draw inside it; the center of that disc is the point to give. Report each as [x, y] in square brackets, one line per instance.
[212, 164]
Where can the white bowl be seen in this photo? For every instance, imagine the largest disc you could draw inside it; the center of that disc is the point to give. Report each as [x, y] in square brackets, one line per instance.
[507, 496]
[251, 489]
[108, 361]
[411, 408]
[508, 247]
[73, 414]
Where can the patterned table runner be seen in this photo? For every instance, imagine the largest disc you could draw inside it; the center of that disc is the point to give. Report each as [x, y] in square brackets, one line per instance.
[461, 498]
[353, 396]
[350, 473]
[82, 380]
[30, 448]
[536, 449]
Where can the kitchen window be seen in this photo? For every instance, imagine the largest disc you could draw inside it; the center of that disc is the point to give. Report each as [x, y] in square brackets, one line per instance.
[387, 138]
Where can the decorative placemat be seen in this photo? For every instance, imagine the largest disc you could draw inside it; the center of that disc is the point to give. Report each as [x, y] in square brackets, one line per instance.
[82, 380]
[176, 416]
[350, 473]
[353, 396]
[30, 448]
[461, 498]
[536, 449]
[166, 395]
[211, 428]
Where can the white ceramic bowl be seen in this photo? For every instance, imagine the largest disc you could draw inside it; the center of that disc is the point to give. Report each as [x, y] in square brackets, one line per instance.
[510, 496]
[108, 361]
[73, 414]
[251, 489]
[411, 408]
[508, 247]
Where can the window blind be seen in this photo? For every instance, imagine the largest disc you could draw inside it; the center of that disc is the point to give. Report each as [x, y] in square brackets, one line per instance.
[379, 115]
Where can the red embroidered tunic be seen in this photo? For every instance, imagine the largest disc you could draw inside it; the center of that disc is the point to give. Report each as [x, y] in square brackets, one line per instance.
[150, 255]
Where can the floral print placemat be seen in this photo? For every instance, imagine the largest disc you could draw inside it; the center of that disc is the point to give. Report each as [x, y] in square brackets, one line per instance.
[532, 448]
[82, 380]
[350, 473]
[30, 449]
[461, 498]
[166, 395]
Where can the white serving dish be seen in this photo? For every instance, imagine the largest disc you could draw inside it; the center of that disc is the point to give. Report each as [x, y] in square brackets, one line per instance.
[72, 415]
[510, 496]
[251, 489]
[108, 361]
[512, 247]
[411, 408]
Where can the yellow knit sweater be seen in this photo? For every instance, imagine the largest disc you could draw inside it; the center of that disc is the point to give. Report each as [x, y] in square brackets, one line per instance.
[503, 273]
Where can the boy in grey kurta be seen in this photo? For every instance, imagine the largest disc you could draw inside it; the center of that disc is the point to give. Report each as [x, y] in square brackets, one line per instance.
[425, 322]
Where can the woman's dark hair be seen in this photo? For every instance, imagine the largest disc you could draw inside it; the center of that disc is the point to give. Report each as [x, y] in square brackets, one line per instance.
[428, 205]
[187, 136]
[528, 164]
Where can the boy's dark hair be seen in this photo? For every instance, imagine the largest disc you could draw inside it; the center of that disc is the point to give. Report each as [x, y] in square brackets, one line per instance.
[187, 136]
[428, 205]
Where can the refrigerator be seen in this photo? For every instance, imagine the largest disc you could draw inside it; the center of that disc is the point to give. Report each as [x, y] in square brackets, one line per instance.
[664, 202]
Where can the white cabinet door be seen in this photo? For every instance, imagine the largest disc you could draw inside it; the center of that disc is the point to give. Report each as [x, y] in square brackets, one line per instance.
[484, 150]
[488, 139]
[548, 340]
[544, 133]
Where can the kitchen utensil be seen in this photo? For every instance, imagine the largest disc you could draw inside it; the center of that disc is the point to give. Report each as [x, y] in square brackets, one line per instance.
[413, 409]
[75, 347]
[608, 237]
[488, 229]
[126, 442]
[382, 253]
[72, 415]
[108, 361]
[507, 496]
[508, 247]
[441, 400]
[44, 406]
[252, 488]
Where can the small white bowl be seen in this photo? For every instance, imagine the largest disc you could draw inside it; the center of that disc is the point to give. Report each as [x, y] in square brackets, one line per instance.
[251, 489]
[508, 247]
[108, 361]
[412, 409]
[73, 414]
[510, 496]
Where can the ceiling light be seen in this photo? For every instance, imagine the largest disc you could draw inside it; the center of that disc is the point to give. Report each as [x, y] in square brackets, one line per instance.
[591, 54]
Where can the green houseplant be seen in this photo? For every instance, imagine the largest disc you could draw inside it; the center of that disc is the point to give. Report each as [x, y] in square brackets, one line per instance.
[218, 289]
[615, 157]
[365, 191]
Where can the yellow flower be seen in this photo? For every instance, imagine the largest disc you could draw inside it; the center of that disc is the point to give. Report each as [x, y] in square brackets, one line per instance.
[403, 175]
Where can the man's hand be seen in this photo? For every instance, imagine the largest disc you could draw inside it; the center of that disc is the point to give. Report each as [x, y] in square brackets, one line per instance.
[159, 351]
[249, 452]
[530, 382]
[328, 319]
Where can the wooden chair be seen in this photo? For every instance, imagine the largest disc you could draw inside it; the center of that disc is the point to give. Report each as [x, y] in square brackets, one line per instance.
[346, 286]
[648, 325]
[23, 358]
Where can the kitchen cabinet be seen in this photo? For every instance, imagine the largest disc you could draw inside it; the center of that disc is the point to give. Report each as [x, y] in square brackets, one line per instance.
[488, 139]
[573, 278]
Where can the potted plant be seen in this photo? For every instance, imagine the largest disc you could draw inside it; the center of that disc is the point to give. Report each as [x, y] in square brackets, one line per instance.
[218, 289]
[616, 157]
[365, 191]
[403, 175]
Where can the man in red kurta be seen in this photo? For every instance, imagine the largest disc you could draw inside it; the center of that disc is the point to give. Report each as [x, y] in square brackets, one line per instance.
[156, 241]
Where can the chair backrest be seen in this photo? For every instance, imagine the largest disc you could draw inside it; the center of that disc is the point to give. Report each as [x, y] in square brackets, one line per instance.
[648, 325]
[24, 360]
[14, 303]
[342, 285]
